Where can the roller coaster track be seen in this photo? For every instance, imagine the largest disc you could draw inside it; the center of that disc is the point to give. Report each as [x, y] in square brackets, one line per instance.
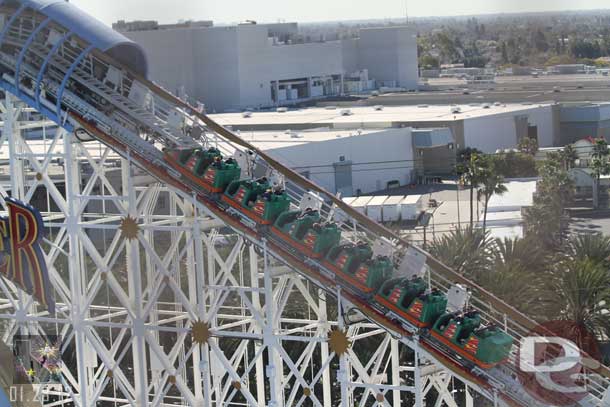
[57, 72]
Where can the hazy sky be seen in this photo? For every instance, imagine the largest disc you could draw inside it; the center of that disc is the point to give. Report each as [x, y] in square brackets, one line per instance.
[312, 10]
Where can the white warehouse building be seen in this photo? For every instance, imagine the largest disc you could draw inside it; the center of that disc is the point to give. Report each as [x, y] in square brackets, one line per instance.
[486, 127]
[350, 162]
[231, 68]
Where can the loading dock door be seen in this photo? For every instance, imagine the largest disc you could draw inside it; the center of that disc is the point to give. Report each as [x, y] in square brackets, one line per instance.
[343, 178]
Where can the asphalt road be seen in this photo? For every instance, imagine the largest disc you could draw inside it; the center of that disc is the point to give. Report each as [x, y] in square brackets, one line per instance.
[590, 225]
[556, 88]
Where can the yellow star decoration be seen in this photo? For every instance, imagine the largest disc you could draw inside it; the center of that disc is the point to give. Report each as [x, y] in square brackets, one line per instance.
[48, 351]
[307, 392]
[201, 332]
[380, 398]
[129, 228]
[338, 341]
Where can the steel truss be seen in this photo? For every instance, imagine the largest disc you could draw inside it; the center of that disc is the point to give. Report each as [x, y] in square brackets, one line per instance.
[159, 303]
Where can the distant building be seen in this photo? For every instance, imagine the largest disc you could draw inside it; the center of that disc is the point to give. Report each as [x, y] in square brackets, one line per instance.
[349, 162]
[148, 25]
[263, 65]
[486, 127]
[584, 120]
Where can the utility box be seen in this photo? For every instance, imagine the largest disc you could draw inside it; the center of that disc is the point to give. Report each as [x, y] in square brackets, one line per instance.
[391, 208]
[411, 207]
[360, 203]
[374, 209]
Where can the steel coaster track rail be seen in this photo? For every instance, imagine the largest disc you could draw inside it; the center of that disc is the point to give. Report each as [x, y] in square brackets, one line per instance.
[63, 68]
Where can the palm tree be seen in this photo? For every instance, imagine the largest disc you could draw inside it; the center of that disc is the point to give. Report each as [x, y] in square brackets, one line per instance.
[599, 165]
[590, 246]
[569, 156]
[468, 250]
[520, 252]
[518, 272]
[493, 184]
[528, 146]
[582, 295]
[514, 284]
[470, 169]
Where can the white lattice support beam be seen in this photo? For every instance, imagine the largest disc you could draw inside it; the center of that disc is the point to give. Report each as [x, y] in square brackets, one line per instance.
[137, 299]
[134, 276]
[274, 369]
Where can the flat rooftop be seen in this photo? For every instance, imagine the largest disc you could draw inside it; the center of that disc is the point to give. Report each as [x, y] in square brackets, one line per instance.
[520, 193]
[270, 140]
[325, 117]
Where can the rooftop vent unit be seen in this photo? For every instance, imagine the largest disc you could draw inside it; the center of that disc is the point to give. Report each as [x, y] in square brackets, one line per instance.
[246, 114]
[497, 104]
[378, 107]
[295, 135]
[456, 110]
[346, 112]
[486, 105]
[282, 109]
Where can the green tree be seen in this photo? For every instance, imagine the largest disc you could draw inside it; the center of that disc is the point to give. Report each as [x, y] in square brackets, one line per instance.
[515, 165]
[582, 295]
[504, 51]
[492, 184]
[470, 168]
[528, 145]
[520, 252]
[594, 247]
[429, 62]
[465, 250]
[514, 284]
[545, 219]
[568, 157]
[600, 166]
[540, 42]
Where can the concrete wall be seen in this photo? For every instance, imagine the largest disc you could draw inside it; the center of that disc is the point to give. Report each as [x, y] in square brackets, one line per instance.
[230, 68]
[260, 62]
[544, 119]
[584, 120]
[349, 49]
[491, 133]
[161, 46]
[390, 54]
[216, 68]
[203, 61]
[318, 159]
